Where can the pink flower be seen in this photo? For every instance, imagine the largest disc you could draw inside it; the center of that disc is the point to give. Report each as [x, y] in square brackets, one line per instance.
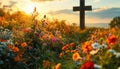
[54, 39]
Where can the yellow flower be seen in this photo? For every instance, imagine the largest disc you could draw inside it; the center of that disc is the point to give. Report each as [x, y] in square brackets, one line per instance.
[60, 37]
[16, 43]
[67, 51]
[76, 56]
[58, 66]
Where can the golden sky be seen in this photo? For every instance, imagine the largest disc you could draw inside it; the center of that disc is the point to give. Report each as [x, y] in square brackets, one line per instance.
[103, 10]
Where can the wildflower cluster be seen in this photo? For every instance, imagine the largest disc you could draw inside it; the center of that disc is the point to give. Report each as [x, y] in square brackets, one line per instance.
[33, 43]
[5, 34]
[94, 52]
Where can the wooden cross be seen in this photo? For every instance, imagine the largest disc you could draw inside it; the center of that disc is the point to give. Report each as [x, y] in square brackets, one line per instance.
[82, 9]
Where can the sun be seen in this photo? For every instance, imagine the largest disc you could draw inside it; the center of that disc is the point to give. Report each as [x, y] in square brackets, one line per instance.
[40, 8]
[29, 8]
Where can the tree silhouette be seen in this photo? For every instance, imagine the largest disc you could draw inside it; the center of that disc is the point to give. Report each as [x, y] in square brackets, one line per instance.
[115, 23]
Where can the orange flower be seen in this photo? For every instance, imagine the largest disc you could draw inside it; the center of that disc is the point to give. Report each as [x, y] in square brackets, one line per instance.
[61, 54]
[72, 44]
[76, 56]
[15, 49]
[65, 47]
[24, 44]
[88, 57]
[44, 36]
[46, 63]
[51, 36]
[10, 46]
[58, 66]
[113, 30]
[17, 58]
[87, 47]
[27, 30]
[101, 34]
[112, 39]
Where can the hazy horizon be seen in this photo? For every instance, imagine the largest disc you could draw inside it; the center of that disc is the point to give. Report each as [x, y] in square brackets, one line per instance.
[103, 11]
[100, 25]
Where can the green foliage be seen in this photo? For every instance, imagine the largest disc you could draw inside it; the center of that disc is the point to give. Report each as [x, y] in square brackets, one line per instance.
[43, 42]
[115, 23]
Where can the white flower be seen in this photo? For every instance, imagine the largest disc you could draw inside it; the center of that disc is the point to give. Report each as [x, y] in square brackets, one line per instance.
[112, 51]
[97, 66]
[93, 52]
[118, 67]
[10, 41]
[95, 45]
[103, 46]
[117, 55]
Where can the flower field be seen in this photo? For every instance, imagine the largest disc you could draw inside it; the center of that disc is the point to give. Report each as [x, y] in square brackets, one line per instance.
[29, 43]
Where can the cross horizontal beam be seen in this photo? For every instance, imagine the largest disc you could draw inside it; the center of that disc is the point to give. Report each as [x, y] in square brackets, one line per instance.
[82, 8]
[77, 8]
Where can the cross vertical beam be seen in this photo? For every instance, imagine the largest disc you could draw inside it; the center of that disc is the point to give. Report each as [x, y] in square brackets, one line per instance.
[82, 9]
[82, 14]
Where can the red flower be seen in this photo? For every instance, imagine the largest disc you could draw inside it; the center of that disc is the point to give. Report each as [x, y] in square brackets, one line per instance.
[72, 44]
[87, 65]
[112, 39]
[65, 47]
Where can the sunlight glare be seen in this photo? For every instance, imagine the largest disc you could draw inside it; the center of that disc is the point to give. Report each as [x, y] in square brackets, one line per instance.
[29, 8]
